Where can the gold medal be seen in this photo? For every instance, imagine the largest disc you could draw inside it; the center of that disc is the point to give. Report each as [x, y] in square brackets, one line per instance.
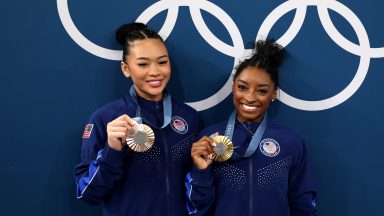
[223, 149]
[140, 138]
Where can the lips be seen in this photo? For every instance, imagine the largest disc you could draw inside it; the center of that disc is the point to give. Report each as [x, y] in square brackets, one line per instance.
[249, 108]
[154, 83]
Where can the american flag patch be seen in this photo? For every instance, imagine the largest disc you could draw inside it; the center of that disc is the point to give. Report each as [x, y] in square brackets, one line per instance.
[87, 131]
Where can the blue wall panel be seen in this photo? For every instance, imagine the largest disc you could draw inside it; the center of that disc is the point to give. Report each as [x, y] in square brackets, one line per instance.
[50, 83]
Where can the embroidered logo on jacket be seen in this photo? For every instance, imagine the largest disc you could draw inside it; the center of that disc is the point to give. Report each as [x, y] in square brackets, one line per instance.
[179, 125]
[269, 147]
[87, 131]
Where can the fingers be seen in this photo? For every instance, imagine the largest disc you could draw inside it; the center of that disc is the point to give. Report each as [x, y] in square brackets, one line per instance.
[123, 122]
[204, 142]
[117, 131]
[130, 121]
[200, 152]
[202, 148]
[117, 127]
[125, 118]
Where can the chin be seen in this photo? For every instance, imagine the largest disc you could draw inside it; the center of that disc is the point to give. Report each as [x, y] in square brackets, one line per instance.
[254, 117]
[157, 93]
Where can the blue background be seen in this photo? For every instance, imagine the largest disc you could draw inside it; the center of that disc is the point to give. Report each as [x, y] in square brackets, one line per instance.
[49, 86]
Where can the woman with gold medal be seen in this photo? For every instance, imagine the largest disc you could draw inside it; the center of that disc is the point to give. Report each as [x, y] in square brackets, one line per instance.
[248, 165]
[136, 150]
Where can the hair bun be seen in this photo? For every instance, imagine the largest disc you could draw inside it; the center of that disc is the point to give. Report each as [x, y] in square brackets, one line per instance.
[125, 30]
[269, 52]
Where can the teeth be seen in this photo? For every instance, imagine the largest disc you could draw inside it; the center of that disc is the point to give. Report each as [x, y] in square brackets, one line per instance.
[155, 82]
[249, 108]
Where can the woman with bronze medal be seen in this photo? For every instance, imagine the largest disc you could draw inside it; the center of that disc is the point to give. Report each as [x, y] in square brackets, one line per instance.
[136, 150]
[249, 165]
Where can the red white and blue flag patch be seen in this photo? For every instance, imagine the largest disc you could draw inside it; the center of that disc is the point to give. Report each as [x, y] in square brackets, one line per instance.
[179, 125]
[87, 131]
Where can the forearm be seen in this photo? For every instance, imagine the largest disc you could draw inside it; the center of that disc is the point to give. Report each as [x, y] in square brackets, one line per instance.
[200, 191]
[96, 180]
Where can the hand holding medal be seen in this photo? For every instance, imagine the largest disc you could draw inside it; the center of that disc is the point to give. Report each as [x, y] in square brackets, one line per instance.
[207, 149]
[200, 152]
[117, 131]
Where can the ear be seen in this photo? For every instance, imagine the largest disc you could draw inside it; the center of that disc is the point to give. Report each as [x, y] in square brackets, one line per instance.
[125, 69]
[275, 94]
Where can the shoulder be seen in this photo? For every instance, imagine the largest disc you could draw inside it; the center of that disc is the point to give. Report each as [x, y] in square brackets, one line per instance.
[182, 107]
[287, 138]
[182, 110]
[284, 131]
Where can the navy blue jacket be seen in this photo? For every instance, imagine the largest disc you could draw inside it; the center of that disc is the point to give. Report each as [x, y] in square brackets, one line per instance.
[276, 180]
[132, 183]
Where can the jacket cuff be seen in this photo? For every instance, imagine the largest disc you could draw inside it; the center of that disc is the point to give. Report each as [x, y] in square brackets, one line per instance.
[111, 157]
[202, 175]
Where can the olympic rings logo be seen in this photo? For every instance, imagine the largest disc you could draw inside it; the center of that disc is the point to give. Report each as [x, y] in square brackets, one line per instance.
[238, 52]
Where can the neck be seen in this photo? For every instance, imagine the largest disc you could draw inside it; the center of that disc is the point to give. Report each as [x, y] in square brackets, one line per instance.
[255, 120]
[155, 98]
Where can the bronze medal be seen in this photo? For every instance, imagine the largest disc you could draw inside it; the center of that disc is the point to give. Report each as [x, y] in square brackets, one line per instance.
[140, 138]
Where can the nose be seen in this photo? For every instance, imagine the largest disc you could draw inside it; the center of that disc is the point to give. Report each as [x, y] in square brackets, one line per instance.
[153, 70]
[250, 97]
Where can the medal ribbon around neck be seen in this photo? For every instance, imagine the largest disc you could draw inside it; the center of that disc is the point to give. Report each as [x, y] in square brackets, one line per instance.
[256, 138]
[167, 108]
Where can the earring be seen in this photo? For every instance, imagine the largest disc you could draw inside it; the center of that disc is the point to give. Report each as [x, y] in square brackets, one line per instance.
[273, 99]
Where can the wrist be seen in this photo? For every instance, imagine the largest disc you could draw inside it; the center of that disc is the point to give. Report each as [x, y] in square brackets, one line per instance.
[117, 146]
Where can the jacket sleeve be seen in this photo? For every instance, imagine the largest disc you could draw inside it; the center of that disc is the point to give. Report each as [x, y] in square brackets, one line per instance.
[302, 189]
[200, 192]
[101, 167]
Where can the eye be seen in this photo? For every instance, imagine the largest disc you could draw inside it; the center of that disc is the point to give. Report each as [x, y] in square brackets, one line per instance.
[144, 65]
[263, 91]
[163, 62]
[241, 87]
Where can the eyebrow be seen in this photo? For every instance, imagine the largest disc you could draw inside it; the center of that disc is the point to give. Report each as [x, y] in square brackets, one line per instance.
[260, 85]
[145, 58]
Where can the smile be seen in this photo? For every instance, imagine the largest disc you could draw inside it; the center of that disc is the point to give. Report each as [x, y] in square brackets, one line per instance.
[154, 83]
[249, 107]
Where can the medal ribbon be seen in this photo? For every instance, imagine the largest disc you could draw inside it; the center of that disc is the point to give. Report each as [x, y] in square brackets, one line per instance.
[167, 108]
[256, 138]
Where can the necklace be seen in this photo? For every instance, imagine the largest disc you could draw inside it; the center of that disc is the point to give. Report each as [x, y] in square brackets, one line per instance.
[247, 128]
[255, 141]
